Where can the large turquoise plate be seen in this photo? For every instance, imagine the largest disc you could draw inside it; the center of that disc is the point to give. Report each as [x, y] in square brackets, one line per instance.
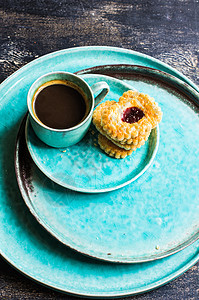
[24, 243]
[85, 167]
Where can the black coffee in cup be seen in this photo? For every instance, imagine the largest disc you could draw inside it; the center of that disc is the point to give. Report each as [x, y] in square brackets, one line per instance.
[59, 105]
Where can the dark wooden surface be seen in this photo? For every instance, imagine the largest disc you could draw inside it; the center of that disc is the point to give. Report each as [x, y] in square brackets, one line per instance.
[167, 30]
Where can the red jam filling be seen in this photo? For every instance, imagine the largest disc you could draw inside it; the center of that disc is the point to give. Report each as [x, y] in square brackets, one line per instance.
[132, 115]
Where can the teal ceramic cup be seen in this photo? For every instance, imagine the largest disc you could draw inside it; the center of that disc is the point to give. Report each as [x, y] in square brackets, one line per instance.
[59, 138]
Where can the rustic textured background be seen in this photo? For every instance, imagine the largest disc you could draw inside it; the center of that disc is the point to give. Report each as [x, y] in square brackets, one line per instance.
[167, 30]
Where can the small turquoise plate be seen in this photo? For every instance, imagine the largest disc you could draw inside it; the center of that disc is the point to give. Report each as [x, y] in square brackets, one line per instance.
[84, 167]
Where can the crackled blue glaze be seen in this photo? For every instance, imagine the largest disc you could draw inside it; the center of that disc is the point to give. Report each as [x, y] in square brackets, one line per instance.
[29, 248]
[85, 167]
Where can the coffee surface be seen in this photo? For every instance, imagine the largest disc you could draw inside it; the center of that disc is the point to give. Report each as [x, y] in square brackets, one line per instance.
[60, 106]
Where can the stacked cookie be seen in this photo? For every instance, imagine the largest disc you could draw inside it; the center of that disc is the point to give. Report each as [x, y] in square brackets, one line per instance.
[124, 126]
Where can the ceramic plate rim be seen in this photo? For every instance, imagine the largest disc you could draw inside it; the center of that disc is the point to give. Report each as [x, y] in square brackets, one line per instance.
[109, 295]
[148, 70]
[107, 48]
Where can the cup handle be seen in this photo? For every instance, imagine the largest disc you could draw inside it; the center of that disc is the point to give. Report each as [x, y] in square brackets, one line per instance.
[102, 85]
